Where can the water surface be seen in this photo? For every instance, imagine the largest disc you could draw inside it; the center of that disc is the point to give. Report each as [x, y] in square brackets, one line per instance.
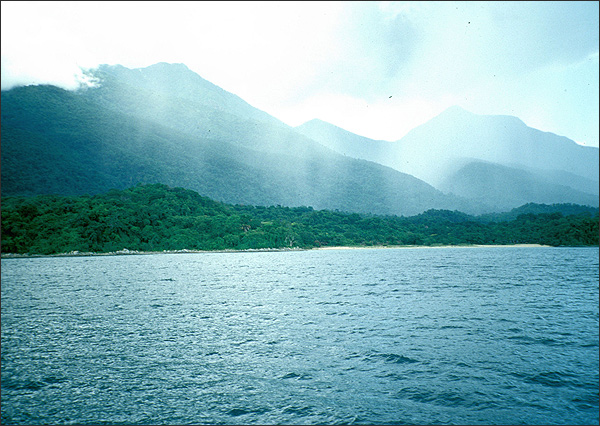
[503, 335]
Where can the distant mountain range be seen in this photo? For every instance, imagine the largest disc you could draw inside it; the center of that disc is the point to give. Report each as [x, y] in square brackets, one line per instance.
[165, 124]
[496, 161]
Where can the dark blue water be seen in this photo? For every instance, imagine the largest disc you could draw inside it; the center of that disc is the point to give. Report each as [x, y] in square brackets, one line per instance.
[411, 336]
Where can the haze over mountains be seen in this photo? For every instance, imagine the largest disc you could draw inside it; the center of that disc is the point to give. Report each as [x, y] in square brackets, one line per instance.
[165, 124]
[495, 160]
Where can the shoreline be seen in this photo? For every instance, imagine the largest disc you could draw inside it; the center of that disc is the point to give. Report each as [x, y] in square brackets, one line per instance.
[126, 252]
[430, 247]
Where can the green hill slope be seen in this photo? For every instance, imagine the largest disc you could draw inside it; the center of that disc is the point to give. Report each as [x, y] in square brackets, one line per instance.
[504, 187]
[494, 160]
[123, 133]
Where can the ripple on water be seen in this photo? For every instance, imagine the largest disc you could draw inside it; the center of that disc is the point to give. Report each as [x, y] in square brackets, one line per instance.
[487, 336]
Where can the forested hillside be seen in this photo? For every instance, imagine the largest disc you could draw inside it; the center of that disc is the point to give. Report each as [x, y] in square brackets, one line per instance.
[165, 124]
[494, 161]
[503, 188]
[157, 217]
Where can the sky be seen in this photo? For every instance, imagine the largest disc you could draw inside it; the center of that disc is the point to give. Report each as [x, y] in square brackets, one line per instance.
[378, 69]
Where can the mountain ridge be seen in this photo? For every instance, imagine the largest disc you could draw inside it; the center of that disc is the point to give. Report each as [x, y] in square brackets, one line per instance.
[117, 135]
[179, 81]
[166, 124]
[486, 183]
[450, 146]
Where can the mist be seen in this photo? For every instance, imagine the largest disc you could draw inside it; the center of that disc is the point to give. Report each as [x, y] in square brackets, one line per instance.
[497, 160]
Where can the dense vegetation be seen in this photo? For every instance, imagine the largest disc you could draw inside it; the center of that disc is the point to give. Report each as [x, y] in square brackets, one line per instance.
[156, 218]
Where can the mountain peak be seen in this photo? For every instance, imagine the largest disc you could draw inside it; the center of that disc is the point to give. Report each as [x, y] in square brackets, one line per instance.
[456, 113]
[167, 65]
[165, 70]
[169, 70]
[177, 81]
[314, 121]
[160, 72]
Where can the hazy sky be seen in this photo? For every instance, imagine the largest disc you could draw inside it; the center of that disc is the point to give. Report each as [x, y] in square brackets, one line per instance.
[377, 69]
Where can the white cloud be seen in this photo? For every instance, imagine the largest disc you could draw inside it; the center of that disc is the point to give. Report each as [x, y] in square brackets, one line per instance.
[38, 50]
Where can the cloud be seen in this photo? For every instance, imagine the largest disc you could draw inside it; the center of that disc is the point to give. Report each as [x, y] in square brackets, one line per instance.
[372, 50]
[489, 57]
[37, 50]
[558, 87]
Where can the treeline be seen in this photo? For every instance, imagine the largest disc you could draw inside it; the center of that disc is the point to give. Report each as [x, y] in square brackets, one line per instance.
[156, 218]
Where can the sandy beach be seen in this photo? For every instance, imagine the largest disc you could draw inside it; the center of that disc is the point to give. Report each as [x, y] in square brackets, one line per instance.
[427, 247]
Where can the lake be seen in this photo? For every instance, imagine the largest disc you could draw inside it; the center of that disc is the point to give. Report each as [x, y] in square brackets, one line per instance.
[499, 335]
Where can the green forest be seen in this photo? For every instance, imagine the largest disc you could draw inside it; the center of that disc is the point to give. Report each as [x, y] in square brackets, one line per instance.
[156, 217]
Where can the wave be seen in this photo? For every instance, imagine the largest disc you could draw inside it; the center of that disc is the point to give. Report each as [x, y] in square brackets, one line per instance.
[391, 358]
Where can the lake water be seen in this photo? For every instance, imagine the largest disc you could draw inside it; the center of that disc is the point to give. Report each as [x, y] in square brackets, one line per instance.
[505, 335]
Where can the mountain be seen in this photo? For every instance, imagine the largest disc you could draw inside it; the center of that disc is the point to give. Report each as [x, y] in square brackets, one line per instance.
[457, 134]
[177, 81]
[452, 150]
[347, 143]
[488, 183]
[576, 182]
[165, 124]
